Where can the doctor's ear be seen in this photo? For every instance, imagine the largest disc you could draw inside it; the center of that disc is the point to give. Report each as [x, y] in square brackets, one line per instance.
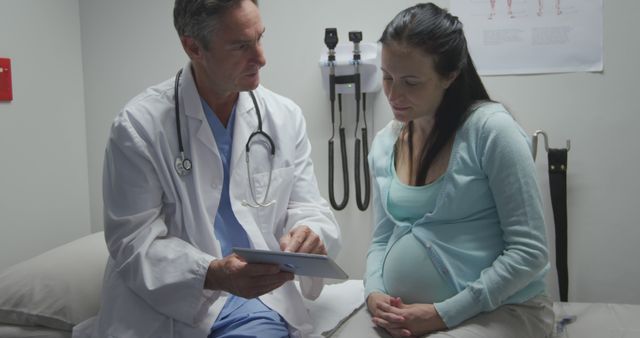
[191, 47]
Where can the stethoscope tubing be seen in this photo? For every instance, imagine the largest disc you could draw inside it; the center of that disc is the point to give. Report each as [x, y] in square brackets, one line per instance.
[183, 164]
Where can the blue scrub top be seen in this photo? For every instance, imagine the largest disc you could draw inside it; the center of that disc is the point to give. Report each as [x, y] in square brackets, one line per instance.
[249, 317]
[226, 226]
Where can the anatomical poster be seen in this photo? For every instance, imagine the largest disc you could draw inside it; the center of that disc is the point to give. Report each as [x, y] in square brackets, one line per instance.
[533, 36]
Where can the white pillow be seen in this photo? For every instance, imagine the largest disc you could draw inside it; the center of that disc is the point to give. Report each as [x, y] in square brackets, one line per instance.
[58, 289]
[15, 331]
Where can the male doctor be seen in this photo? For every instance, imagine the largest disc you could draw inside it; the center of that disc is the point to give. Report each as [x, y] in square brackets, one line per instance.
[170, 226]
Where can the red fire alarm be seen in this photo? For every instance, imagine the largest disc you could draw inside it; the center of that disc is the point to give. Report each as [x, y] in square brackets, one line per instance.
[6, 93]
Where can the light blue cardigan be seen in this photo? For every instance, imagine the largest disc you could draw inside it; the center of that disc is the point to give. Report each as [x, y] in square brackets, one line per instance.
[486, 235]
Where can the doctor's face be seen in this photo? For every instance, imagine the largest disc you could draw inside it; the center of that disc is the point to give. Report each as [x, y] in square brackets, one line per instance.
[235, 56]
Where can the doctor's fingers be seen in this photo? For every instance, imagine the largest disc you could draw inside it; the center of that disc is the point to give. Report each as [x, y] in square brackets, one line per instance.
[258, 270]
[313, 244]
[292, 240]
[234, 265]
[304, 240]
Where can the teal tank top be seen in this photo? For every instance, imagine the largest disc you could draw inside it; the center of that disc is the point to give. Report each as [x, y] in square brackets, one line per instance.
[408, 271]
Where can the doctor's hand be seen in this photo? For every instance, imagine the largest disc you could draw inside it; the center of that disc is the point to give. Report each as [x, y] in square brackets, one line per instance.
[303, 240]
[234, 275]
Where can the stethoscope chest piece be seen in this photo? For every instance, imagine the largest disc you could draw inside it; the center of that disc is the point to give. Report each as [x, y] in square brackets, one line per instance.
[183, 165]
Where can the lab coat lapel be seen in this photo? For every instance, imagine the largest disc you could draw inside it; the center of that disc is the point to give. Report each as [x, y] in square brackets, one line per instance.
[246, 123]
[193, 109]
[206, 160]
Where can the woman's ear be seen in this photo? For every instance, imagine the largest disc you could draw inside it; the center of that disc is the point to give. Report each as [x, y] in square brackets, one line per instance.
[448, 80]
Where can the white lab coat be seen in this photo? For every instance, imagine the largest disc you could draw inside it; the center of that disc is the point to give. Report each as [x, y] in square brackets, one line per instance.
[159, 226]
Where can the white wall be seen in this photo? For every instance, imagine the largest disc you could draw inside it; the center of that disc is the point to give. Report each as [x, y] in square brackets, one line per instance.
[130, 45]
[126, 47]
[44, 197]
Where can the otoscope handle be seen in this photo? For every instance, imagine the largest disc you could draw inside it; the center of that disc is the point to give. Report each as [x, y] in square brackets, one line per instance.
[332, 88]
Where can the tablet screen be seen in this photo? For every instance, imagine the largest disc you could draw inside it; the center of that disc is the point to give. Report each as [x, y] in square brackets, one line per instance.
[299, 263]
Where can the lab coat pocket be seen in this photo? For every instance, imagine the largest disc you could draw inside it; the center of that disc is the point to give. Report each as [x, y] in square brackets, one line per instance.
[272, 218]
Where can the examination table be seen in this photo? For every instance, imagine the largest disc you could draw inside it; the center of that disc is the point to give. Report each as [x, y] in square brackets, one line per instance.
[47, 295]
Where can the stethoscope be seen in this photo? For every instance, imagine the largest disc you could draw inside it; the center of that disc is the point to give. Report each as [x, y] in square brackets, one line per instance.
[183, 164]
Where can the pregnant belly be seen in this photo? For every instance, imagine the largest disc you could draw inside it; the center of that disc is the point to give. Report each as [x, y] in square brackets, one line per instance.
[408, 272]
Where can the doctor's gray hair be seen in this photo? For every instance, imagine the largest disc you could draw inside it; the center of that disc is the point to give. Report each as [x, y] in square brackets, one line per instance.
[199, 18]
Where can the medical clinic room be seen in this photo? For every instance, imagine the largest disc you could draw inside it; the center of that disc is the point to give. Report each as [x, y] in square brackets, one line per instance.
[301, 168]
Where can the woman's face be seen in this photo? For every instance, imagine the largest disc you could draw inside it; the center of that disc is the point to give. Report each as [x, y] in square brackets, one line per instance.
[412, 85]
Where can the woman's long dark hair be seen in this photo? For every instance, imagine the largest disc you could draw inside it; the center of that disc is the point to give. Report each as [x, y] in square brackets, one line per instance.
[437, 33]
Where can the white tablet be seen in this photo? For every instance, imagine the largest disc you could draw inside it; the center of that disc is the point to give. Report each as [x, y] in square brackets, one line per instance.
[299, 263]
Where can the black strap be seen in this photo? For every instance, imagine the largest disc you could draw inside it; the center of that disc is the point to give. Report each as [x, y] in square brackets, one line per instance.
[558, 187]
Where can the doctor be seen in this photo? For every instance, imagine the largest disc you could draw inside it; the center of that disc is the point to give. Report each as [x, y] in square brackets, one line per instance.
[185, 180]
